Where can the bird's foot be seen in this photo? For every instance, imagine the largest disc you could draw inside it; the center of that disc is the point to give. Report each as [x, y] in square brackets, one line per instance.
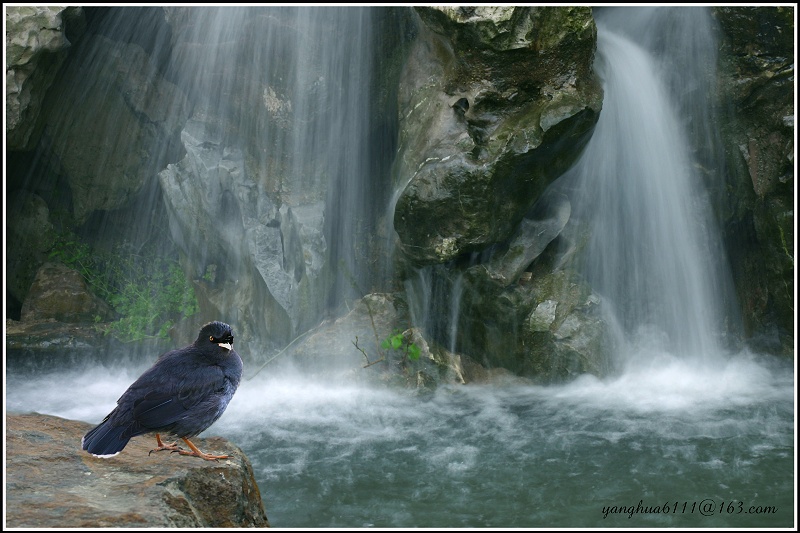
[171, 448]
[161, 446]
[206, 456]
[197, 453]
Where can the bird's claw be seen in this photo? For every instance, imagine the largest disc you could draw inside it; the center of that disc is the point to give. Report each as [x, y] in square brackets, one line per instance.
[206, 456]
[170, 447]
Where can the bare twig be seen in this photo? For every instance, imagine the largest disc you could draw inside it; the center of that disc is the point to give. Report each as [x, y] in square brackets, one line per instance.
[382, 359]
[364, 299]
[279, 353]
[360, 349]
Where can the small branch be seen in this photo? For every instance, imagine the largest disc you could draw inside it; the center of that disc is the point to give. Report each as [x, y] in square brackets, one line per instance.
[371, 318]
[280, 352]
[355, 343]
[360, 349]
[382, 359]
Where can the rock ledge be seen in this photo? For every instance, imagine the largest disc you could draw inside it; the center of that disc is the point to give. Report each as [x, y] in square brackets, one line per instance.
[51, 482]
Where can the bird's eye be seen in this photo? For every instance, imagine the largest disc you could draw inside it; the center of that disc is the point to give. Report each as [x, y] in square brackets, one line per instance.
[211, 338]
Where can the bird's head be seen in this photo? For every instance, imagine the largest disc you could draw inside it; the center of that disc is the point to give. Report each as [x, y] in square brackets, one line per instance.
[218, 333]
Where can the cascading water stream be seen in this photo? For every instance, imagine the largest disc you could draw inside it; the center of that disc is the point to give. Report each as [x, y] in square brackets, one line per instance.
[281, 107]
[653, 242]
[435, 303]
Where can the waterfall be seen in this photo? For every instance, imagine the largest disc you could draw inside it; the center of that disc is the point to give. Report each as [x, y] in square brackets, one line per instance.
[640, 190]
[303, 114]
[654, 251]
[272, 191]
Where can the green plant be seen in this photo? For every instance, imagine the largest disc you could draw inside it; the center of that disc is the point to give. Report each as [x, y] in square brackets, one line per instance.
[71, 251]
[150, 298]
[148, 292]
[398, 342]
[395, 341]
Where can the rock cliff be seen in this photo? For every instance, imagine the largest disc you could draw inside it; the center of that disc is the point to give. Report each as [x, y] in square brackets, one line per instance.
[756, 81]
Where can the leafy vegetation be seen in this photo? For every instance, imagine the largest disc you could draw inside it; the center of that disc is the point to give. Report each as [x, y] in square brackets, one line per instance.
[148, 292]
[398, 342]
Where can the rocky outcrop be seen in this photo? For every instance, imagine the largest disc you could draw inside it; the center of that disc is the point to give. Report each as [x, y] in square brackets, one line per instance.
[357, 346]
[495, 103]
[263, 256]
[757, 84]
[32, 341]
[331, 346]
[37, 40]
[375, 343]
[106, 170]
[547, 326]
[30, 236]
[52, 483]
[273, 190]
[60, 293]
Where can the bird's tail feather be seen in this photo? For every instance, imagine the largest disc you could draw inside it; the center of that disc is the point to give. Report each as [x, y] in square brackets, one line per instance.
[106, 440]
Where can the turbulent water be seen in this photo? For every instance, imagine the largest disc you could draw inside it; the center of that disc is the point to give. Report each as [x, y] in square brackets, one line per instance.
[686, 436]
[712, 444]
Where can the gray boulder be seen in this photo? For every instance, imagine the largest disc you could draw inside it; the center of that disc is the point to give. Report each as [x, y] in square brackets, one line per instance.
[246, 248]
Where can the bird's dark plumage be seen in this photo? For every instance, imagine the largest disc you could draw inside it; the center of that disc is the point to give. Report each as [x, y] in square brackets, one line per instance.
[182, 394]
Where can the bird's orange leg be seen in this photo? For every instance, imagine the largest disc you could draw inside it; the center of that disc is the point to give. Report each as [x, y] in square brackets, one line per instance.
[161, 446]
[197, 453]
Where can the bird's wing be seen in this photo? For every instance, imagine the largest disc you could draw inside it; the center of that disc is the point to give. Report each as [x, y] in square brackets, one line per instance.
[169, 403]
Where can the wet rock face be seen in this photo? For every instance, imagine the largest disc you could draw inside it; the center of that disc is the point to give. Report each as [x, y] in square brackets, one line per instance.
[37, 41]
[52, 483]
[112, 136]
[30, 236]
[268, 259]
[757, 78]
[495, 103]
[268, 146]
[60, 293]
[550, 329]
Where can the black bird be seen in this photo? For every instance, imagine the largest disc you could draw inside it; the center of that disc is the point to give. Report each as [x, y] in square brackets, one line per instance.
[182, 394]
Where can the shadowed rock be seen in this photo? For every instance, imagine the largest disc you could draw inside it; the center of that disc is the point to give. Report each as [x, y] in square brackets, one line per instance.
[61, 293]
[37, 41]
[533, 235]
